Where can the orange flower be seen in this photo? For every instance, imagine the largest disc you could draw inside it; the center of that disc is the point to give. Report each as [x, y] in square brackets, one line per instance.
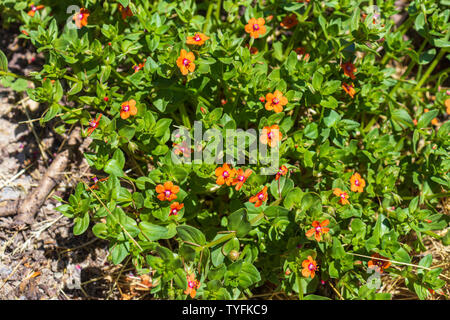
[198, 39]
[349, 89]
[126, 12]
[185, 62]
[241, 178]
[256, 27]
[52, 81]
[309, 267]
[281, 172]
[128, 108]
[271, 135]
[301, 52]
[168, 191]
[435, 121]
[447, 105]
[25, 32]
[260, 197]
[93, 125]
[342, 195]
[225, 174]
[192, 287]
[289, 21]
[318, 229]
[275, 101]
[349, 69]
[139, 66]
[378, 265]
[34, 9]
[182, 148]
[175, 208]
[81, 18]
[357, 183]
[97, 180]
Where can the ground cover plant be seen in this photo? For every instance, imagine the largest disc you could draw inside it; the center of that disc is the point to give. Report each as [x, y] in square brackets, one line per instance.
[350, 104]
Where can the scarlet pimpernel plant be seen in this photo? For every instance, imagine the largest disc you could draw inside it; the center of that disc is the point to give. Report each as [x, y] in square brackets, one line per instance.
[346, 103]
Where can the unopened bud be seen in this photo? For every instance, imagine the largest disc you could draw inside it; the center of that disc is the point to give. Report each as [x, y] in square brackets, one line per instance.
[234, 255]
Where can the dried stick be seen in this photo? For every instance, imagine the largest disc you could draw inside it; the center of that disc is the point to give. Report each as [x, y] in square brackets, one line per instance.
[27, 208]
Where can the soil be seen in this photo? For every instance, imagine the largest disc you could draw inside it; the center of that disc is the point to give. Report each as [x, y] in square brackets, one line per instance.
[44, 260]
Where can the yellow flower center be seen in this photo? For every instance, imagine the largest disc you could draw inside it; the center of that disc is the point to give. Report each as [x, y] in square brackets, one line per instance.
[256, 27]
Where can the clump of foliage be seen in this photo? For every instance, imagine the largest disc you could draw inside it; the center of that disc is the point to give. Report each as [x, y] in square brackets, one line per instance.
[363, 150]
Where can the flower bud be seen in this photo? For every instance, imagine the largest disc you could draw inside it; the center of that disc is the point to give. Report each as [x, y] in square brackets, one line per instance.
[234, 255]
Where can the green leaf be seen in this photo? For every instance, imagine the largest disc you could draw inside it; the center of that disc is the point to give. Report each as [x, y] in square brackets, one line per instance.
[293, 197]
[51, 112]
[281, 187]
[402, 117]
[337, 250]
[238, 221]
[162, 126]
[354, 22]
[119, 252]
[100, 230]
[311, 130]
[180, 278]
[317, 80]
[446, 239]
[113, 167]
[402, 256]
[419, 22]
[155, 232]
[426, 118]
[427, 56]
[3, 62]
[426, 261]
[331, 119]
[81, 223]
[191, 234]
[248, 275]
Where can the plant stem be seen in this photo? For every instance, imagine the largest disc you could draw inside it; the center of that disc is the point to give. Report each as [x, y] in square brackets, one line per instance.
[184, 116]
[220, 240]
[431, 67]
[208, 16]
[18, 76]
[218, 7]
